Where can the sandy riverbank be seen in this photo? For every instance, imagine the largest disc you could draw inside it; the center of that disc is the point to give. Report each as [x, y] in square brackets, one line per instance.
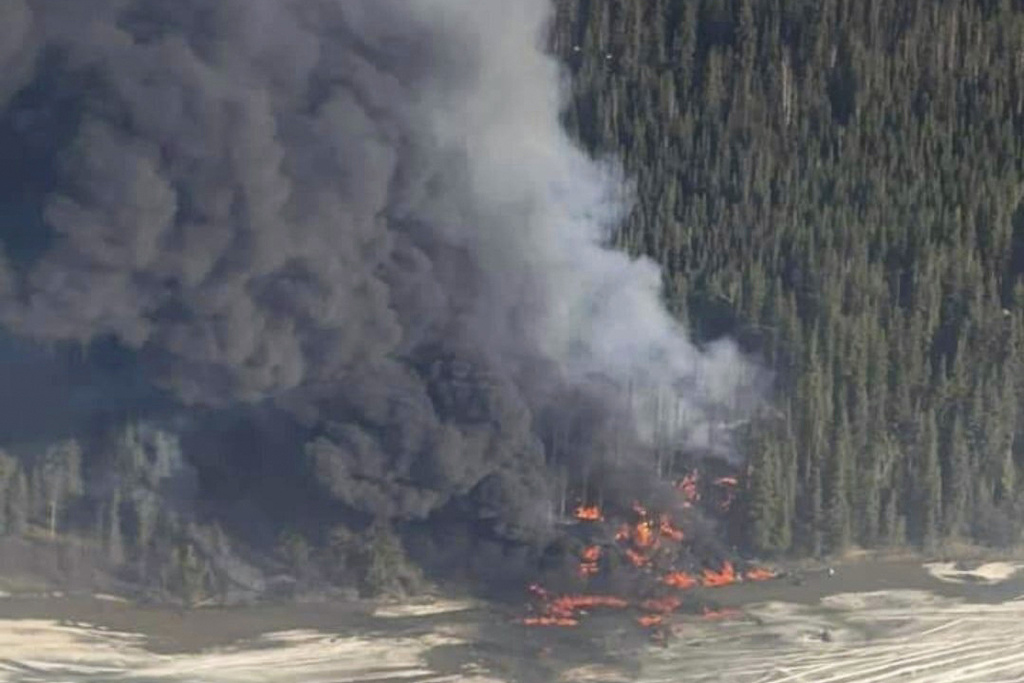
[872, 621]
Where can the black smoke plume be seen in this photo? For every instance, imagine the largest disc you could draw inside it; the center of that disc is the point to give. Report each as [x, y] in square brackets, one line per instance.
[355, 225]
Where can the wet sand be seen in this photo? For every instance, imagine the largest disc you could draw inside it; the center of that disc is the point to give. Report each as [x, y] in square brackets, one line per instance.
[872, 621]
[810, 586]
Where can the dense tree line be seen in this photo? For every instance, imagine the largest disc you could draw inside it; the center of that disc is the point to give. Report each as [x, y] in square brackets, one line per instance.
[838, 183]
[123, 502]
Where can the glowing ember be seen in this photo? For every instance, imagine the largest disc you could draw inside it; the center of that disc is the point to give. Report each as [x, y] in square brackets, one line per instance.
[565, 610]
[589, 559]
[666, 529]
[688, 487]
[680, 580]
[664, 605]
[637, 559]
[643, 535]
[723, 577]
[646, 535]
[570, 605]
[650, 542]
[589, 513]
[758, 574]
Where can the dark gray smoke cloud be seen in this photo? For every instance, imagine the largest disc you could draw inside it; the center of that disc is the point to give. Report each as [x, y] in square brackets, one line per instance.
[362, 211]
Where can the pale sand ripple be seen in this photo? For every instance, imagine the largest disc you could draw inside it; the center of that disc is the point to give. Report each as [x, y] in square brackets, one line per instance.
[990, 573]
[881, 637]
[46, 651]
[905, 636]
[404, 610]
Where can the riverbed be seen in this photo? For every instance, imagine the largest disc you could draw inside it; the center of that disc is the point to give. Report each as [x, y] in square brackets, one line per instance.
[867, 621]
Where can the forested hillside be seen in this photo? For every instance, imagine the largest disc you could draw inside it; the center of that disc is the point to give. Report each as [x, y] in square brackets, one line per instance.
[838, 183]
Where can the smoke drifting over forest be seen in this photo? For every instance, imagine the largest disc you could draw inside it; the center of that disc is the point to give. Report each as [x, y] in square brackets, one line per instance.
[359, 223]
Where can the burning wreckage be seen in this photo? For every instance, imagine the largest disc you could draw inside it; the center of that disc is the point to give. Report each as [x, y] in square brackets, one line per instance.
[643, 562]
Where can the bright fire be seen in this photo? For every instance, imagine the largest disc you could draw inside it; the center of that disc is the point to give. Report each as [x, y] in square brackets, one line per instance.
[688, 487]
[666, 529]
[646, 535]
[758, 574]
[664, 605]
[643, 536]
[637, 559]
[589, 559]
[565, 610]
[651, 542]
[680, 580]
[725, 576]
[589, 513]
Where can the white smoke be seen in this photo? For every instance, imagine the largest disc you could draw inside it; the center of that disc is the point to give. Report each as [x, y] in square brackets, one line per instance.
[548, 209]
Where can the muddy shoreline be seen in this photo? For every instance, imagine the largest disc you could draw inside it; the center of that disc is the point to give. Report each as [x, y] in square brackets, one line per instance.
[176, 630]
[460, 640]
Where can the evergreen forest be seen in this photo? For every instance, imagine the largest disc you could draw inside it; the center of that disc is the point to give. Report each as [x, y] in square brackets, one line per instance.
[838, 184]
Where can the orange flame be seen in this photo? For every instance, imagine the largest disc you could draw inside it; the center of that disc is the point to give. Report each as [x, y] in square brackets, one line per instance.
[637, 559]
[646, 535]
[759, 574]
[666, 529]
[589, 513]
[680, 580]
[664, 605]
[643, 535]
[688, 487]
[645, 541]
[723, 577]
[569, 605]
[565, 610]
[589, 559]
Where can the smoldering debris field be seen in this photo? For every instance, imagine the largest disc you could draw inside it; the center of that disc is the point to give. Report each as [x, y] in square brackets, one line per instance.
[871, 622]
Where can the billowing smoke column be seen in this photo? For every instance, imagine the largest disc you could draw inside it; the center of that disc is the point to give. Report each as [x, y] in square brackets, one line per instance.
[361, 216]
